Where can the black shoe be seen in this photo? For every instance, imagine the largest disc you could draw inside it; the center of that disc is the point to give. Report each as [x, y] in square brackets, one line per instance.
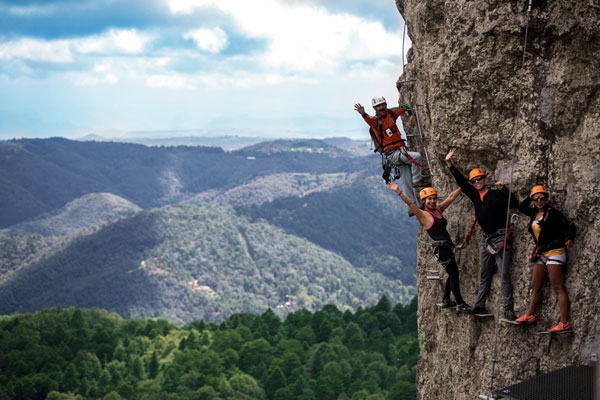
[464, 308]
[447, 303]
[480, 310]
[510, 315]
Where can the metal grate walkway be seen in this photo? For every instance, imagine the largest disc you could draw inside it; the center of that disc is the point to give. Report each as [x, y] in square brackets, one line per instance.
[575, 382]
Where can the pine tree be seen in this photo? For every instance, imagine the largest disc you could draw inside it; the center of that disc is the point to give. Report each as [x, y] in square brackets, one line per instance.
[275, 381]
[153, 366]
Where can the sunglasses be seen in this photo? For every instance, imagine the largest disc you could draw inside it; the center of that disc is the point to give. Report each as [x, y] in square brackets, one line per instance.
[540, 198]
[477, 179]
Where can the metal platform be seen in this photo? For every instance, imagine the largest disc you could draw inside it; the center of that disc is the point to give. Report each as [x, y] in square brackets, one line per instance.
[575, 382]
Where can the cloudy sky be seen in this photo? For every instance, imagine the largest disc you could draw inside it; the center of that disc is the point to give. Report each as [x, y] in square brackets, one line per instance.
[278, 68]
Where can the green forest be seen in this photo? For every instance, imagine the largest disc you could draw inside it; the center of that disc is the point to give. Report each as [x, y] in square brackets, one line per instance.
[186, 263]
[75, 353]
[360, 221]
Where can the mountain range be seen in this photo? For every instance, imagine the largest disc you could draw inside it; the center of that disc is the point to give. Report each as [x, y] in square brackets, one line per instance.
[286, 225]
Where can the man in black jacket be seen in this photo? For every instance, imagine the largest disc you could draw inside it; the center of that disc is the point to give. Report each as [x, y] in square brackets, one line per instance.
[490, 209]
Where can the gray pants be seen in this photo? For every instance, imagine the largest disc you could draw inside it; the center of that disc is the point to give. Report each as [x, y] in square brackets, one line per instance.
[489, 262]
[409, 172]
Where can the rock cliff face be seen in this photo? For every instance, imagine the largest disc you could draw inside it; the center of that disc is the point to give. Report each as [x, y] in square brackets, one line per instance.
[466, 63]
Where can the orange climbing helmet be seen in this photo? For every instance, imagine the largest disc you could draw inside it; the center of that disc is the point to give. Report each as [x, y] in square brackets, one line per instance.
[428, 191]
[538, 189]
[476, 172]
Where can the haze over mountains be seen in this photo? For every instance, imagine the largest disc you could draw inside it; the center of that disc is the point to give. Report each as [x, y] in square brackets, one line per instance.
[198, 233]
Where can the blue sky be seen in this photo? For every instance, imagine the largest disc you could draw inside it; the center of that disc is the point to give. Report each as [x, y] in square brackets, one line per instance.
[117, 68]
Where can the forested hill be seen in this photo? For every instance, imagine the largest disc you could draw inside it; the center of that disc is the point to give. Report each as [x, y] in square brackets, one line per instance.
[38, 176]
[75, 354]
[187, 262]
[286, 225]
[360, 221]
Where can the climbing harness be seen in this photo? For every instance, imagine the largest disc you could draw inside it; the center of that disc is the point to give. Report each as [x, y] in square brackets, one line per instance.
[537, 253]
[436, 244]
[378, 147]
[506, 232]
[489, 247]
[433, 274]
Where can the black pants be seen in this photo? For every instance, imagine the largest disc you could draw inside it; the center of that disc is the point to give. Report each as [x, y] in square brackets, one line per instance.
[445, 256]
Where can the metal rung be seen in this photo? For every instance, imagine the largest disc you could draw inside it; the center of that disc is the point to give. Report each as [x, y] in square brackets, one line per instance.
[431, 277]
[433, 271]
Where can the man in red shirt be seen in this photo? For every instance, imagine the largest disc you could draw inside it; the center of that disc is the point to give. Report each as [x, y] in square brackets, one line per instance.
[388, 140]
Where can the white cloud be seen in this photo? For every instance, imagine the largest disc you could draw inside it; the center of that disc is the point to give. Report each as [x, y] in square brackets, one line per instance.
[168, 81]
[57, 51]
[162, 61]
[108, 79]
[211, 40]
[64, 51]
[127, 41]
[26, 11]
[101, 68]
[302, 37]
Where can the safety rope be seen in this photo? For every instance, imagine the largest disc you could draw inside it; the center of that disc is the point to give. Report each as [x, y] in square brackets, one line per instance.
[421, 139]
[468, 238]
[514, 152]
[412, 160]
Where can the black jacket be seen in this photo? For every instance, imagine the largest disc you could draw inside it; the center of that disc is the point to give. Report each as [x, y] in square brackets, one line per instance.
[491, 212]
[556, 229]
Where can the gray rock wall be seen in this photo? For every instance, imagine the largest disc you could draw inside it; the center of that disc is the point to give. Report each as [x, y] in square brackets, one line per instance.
[466, 59]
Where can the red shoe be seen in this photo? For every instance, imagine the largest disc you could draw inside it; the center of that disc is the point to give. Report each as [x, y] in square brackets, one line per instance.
[560, 327]
[526, 319]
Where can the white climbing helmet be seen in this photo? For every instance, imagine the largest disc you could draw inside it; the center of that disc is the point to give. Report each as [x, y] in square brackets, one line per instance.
[377, 100]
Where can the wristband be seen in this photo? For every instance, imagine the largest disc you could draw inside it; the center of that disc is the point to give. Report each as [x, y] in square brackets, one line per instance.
[399, 192]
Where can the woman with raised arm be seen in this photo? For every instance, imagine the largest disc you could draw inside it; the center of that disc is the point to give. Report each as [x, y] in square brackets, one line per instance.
[553, 234]
[430, 217]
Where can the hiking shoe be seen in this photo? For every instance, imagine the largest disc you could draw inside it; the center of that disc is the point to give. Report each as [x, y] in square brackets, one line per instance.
[464, 308]
[447, 303]
[480, 310]
[510, 315]
[560, 327]
[526, 319]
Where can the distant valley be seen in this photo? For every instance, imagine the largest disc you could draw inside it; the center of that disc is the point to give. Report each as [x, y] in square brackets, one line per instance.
[192, 233]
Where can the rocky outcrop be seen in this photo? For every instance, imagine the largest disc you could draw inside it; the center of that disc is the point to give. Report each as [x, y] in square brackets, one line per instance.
[527, 118]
